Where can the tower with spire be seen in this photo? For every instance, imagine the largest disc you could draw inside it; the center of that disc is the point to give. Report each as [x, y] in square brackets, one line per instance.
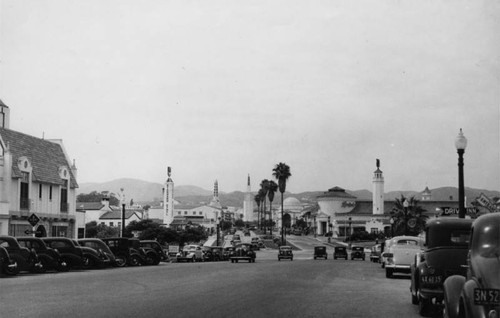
[248, 203]
[215, 199]
[378, 191]
[168, 199]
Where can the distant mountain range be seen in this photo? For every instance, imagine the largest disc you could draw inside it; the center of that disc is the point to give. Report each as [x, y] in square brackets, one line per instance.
[149, 192]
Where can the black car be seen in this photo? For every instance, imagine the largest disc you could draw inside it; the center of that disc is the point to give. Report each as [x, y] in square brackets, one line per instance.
[227, 252]
[26, 259]
[50, 258]
[106, 257]
[243, 252]
[358, 252]
[161, 251]
[285, 252]
[127, 251]
[320, 252]
[7, 265]
[71, 252]
[340, 252]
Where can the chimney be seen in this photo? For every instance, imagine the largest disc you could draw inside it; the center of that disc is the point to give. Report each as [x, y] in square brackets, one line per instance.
[4, 115]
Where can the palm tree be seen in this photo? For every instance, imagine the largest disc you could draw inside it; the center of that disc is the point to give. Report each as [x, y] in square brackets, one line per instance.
[264, 185]
[282, 172]
[273, 187]
[408, 220]
[262, 197]
[257, 200]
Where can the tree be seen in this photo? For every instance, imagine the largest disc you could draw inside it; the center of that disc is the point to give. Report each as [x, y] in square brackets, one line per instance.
[408, 220]
[257, 200]
[239, 223]
[264, 186]
[262, 197]
[282, 172]
[94, 230]
[272, 188]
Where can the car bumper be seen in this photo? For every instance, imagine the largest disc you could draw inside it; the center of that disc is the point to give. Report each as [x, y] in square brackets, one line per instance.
[398, 268]
[428, 293]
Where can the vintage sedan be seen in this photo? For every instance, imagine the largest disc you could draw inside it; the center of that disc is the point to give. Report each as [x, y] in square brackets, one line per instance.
[71, 252]
[227, 252]
[7, 265]
[444, 254]
[320, 252]
[50, 258]
[285, 252]
[243, 252]
[340, 252]
[478, 294]
[358, 252]
[126, 251]
[26, 259]
[190, 253]
[401, 253]
[375, 252]
[106, 257]
[161, 251]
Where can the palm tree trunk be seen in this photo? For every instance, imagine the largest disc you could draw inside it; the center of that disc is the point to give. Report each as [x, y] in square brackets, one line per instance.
[271, 218]
[282, 222]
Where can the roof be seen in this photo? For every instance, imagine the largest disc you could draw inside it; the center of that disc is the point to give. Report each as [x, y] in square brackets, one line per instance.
[46, 157]
[86, 206]
[3, 104]
[118, 214]
[336, 192]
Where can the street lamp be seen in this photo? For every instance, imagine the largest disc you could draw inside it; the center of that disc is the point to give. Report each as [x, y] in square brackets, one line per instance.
[314, 228]
[218, 230]
[122, 197]
[406, 205]
[461, 144]
[349, 233]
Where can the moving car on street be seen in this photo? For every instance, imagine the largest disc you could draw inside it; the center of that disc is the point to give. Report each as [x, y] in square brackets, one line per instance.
[285, 252]
[375, 252]
[243, 252]
[478, 294]
[446, 246]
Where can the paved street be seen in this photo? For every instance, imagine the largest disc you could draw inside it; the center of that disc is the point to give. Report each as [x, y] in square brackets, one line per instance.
[268, 288]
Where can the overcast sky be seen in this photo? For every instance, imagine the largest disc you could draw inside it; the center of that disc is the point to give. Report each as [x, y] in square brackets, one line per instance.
[222, 89]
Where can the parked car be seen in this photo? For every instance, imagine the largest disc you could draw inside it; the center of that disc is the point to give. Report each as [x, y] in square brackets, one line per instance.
[478, 294]
[26, 259]
[285, 252]
[227, 252]
[340, 252]
[161, 251]
[243, 252]
[297, 232]
[50, 258]
[216, 253]
[384, 248]
[190, 253]
[358, 252]
[401, 253]
[71, 252]
[106, 257]
[320, 252]
[124, 250]
[445, 254]
[375, 252]
[7, 265]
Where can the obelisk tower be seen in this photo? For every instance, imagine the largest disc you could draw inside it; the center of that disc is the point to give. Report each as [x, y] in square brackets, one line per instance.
[168, 199]
[248, 203]
[378, 191]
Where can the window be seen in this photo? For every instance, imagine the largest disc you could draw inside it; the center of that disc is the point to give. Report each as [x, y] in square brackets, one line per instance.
[40, 191]
[24, 203]
[110, 223]
[194, 212]
[64, 196]
[374, 230]
[185, 212]
[50, 193]
[179, 213]
[201, 213]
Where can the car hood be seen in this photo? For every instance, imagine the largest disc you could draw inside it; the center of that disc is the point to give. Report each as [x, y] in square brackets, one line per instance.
[488, 269]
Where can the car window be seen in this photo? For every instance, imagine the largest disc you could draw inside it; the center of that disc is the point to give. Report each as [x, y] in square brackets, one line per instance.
[4, 244]
[407, 242]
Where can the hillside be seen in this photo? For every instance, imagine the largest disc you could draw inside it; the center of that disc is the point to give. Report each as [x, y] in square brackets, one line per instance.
[143, 191]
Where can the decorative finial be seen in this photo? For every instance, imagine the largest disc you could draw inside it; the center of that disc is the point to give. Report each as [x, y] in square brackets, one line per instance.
[378, 163]
[169, 171]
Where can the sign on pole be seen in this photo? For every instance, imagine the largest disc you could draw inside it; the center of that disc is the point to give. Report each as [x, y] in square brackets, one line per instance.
[33, 219]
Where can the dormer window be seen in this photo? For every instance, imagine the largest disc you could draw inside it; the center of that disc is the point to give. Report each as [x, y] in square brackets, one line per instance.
[24, 164]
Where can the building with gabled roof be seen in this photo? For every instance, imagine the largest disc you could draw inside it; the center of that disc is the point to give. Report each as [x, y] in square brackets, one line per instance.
[36, 178]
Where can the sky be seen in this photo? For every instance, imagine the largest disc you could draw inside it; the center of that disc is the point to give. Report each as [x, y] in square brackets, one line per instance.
[222, 89]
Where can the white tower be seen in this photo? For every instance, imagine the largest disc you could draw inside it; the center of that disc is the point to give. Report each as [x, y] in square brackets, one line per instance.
[378, 191]
[168, 200]
[248, 204]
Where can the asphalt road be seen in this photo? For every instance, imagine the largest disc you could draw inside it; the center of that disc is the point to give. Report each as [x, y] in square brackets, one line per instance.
[267, 288]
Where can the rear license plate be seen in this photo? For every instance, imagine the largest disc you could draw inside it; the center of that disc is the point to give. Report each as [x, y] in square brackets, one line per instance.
[485, 296]
[428, 279]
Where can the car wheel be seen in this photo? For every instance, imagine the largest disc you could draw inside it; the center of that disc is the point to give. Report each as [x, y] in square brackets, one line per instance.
[135, 261]
[414, 298]
[87, 262]
[314, 257]
[120, 260]
[389, 272]
[62, 266]
[11, 271]
[424, 307]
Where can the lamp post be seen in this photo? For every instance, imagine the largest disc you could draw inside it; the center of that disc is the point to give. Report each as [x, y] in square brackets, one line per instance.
[122, 197]
[218, 230]
[392, 226]
[349, 233]
[405, 205]
[314, 226]
[461, 144]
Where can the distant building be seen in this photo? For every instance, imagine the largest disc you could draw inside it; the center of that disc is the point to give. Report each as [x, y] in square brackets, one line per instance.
[36, 177]
[248, 203]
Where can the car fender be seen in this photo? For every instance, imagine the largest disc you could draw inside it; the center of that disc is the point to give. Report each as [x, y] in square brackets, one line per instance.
[467, 298]
[452, 289]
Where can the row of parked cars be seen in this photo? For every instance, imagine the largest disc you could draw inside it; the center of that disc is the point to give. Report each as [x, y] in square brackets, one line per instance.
[197, 253]
[454, 266]
[38, 255]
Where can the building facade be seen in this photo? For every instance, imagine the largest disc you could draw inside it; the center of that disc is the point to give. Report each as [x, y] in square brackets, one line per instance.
[37, 178]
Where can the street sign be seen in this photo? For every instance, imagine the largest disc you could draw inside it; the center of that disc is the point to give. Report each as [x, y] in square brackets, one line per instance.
[450, 211]
[29, 232]
[33, 219]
